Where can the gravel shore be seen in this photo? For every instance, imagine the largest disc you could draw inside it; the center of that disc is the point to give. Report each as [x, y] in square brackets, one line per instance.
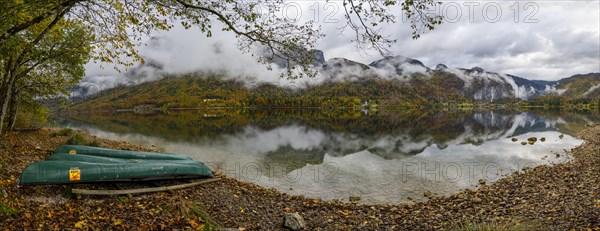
[562, 196]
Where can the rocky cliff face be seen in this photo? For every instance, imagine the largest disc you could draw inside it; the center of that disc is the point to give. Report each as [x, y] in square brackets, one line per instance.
[399, 66]
[476, 82]
[318, 58]
[337, 69]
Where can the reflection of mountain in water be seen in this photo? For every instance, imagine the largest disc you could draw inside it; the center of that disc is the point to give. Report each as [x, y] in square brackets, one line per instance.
[305, 136]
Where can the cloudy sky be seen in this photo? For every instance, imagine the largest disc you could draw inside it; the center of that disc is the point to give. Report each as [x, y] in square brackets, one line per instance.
[544, 40]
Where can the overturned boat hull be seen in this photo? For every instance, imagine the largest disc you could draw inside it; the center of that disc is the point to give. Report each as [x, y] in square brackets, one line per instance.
[110, 166]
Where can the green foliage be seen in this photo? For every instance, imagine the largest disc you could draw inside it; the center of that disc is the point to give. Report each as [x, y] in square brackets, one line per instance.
[578, 86]
[193, 211]
[122, 200]
[559, 101]
[199, 90]
[31, 114]
[210, 224]
[580, 92]
[7, 211]
[79, 139]
[64, 132]
[44, 59]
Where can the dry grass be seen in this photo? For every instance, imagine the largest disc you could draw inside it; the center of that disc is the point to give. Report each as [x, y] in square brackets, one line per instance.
[512, 225]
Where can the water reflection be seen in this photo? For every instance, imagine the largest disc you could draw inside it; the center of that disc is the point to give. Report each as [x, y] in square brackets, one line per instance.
[383, 156]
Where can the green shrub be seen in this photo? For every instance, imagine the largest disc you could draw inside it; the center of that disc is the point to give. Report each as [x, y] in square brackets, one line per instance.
[7, 211]
[94, 143]
[199, 211]
[64, 132]
[31, 115]
[187, 208]
[79, 139]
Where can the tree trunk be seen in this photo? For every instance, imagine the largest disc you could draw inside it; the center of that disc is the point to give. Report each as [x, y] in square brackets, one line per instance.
[6, 99]
[12, 113]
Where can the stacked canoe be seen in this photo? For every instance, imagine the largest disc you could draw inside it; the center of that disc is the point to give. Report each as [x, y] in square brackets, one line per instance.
[71, 164]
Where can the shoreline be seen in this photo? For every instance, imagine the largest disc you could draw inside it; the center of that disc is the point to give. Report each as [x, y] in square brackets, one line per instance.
[560, 196]
[444, 106]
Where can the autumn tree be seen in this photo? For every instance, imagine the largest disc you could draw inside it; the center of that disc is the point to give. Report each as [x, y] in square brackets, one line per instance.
[56, 64]
[119, 26]
[22, 56]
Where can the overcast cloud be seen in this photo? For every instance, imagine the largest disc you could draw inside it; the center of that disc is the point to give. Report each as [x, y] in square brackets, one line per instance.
[545, 40]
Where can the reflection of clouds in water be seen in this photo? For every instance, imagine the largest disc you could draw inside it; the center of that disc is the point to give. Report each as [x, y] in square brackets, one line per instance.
[256, 141]
[553, 123]
[378, 180]
[505, 148]
[375, 167]
[483, 127]
[496, 125]
[520, 120]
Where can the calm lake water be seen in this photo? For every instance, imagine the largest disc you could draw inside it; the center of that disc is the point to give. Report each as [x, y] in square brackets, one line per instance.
[381, 156]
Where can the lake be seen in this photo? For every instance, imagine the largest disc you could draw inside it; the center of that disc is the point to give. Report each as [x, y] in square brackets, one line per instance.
[381, 156]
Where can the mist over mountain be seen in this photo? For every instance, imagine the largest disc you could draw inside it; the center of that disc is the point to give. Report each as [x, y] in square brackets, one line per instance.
[473, 83]
[476, 82]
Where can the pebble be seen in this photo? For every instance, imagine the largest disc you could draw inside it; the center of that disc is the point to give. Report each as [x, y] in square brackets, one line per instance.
[408, 203]
[427, 194]
[532, 139]
[482, 181]
[294, 221]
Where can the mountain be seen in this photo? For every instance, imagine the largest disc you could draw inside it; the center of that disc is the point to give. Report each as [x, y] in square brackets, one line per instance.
[400, 65]
[477, 83]
[580, 86]
[394, 80]
[318, 58]
[336, 69]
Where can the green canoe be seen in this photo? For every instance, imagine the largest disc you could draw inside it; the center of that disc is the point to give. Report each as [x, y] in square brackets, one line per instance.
[108, 165]
[78, 149]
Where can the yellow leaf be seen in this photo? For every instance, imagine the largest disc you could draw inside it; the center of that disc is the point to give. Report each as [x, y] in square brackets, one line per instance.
[79, 224]
[193, 224]
[118, 222]
[344, 212]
